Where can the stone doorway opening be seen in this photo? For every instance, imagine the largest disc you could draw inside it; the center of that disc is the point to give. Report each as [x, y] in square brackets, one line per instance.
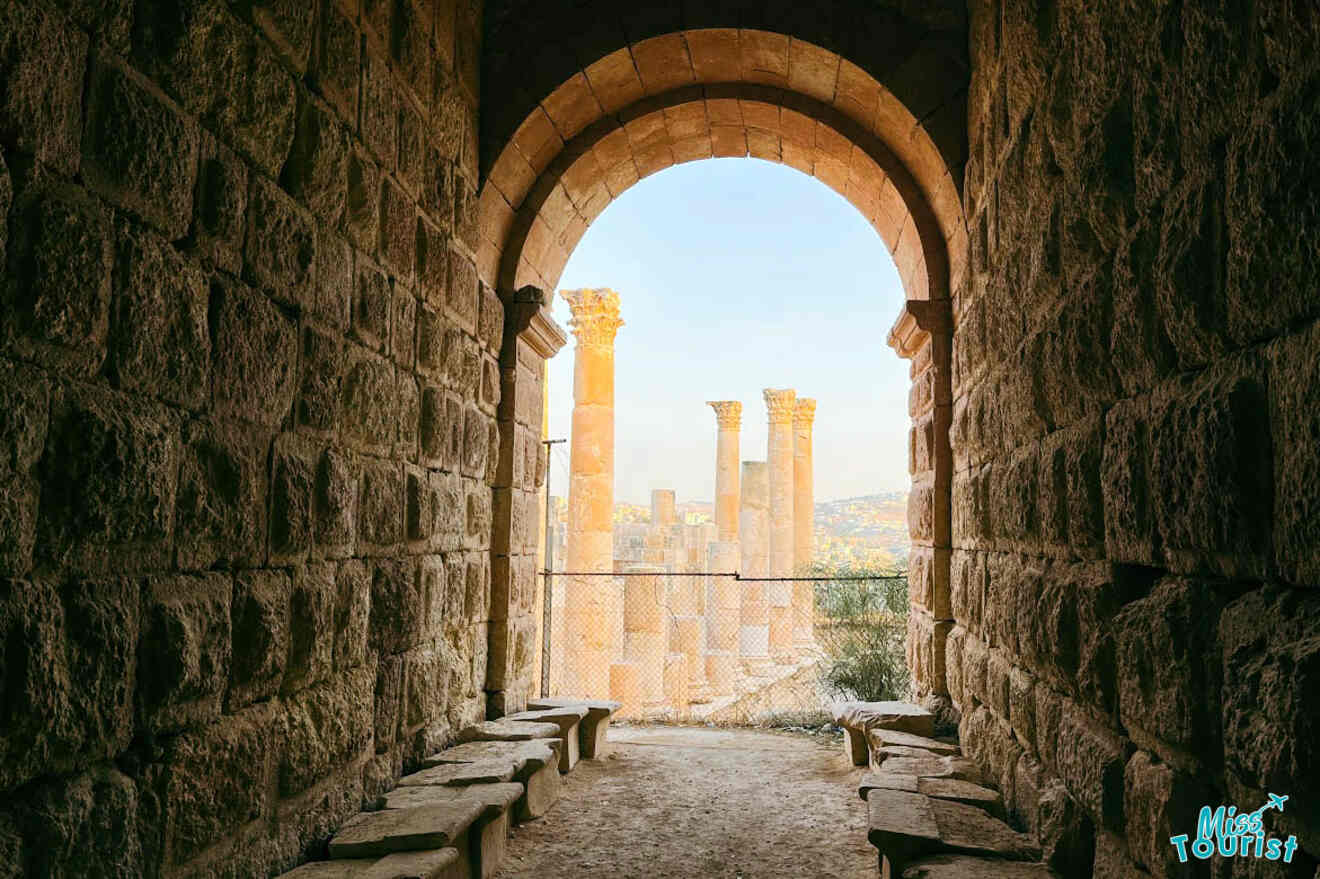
[685, 96]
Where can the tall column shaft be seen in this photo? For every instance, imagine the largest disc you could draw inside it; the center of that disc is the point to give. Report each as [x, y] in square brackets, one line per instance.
[728, 414]
[754, 542]
[591, 604]
[723, 604]
[779, 478]
[804, 521]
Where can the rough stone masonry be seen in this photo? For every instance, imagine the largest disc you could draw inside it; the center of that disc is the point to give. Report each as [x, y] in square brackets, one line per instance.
[271, 369]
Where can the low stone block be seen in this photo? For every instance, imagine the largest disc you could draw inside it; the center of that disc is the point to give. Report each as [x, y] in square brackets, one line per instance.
[855, 750]
[526, 757]
[882, 738]
[442, 863]
[541, 794]
[507, 731]
[568, 718]
[906, 825]
[964, 867]
[489, 771]
[934, 767]
[952, 789]
[899, 716]
[402, 830]
[594, 727]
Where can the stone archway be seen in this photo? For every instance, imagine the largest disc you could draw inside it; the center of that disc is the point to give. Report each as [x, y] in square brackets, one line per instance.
[693, 95]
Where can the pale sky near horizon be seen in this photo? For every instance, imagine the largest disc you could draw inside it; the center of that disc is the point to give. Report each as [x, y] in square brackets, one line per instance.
[736, 275]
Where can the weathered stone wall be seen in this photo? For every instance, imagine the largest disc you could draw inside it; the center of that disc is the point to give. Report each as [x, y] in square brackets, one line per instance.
[1136, 536]
[248, 388]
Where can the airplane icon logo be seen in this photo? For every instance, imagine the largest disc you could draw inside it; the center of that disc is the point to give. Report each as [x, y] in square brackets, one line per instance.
[1276, 802]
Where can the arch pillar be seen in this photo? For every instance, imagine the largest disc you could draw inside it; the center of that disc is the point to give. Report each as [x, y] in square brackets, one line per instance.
[923, 334]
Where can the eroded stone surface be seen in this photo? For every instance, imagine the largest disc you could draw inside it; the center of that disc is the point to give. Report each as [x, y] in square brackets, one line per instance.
[508, 731]
[899, 716]
[486, 771]
[398, 830]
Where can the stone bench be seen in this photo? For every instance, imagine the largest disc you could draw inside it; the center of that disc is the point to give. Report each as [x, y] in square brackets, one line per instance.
[535, 765]
[489, 834]
[957, 790]
[441, 863]
[964, 867]
[569, 719]
[594, 726]
[859, 718]
[906, 826]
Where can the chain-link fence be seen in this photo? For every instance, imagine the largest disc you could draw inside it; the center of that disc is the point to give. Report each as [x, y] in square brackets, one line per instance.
[720, 648]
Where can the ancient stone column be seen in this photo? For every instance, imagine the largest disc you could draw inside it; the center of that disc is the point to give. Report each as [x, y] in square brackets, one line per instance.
[646, 630]
[754, 543]
[723, 609]
[804, 520]
[663, 507]
[728, 415]
[591, 604]
[779, 406]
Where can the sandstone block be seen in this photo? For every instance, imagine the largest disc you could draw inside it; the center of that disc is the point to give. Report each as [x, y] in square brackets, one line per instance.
[489, 771]
[351, 614]
[1129, 527]
[1159, 802]
[281, 246]
[220, 517]
[253, 369]
[389, 704]
[398, 230]
[953, 789]
[1294, 382]
[883, 738]
[441, 863]
[396, 606]
[160, 342]
[129, 121]
[1067, 835]
[323, 728]
[311, 625]
[334, 503]
[1091, 759]
[462, 293]
[183, 661]
[97, 817]
[260, 636]
[899, 716]
[58, 313]
[362, 205]
[595, 725]
[525, 757]
[109, 481]
[292, 475]
[380, 105]
[219, 224]
[1166, 688]
[567, 718]
[43, 58]
[316, 172]
[380, 506]
[368, 402]
[214, 781]
[1210, 471]
[321, 365]
[1268, 740]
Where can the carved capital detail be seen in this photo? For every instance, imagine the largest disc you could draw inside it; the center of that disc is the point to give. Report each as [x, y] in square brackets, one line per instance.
[595, 315]
[804, 412]
[727, 412]
[779, 404]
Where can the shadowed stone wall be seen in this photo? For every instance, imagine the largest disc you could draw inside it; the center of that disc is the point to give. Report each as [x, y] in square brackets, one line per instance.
[248, 387]
[1136, 536]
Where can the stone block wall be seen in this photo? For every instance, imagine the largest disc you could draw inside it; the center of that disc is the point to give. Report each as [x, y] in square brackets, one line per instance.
[1134, 574]
[248, 394]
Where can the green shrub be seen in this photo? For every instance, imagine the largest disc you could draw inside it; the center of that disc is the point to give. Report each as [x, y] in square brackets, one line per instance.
[860, 627]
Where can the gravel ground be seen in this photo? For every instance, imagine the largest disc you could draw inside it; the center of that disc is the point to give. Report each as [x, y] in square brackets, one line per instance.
[673, 802]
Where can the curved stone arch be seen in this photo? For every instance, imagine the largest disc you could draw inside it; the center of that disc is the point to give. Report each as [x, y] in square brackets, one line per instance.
[710, 93]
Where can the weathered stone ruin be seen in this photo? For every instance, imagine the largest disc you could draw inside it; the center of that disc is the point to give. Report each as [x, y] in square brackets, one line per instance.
[272, 347]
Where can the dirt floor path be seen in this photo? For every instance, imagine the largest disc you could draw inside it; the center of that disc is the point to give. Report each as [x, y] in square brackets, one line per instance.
[690, 802]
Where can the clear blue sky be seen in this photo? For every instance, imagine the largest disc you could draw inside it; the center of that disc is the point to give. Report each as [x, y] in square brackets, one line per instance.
[736, 275]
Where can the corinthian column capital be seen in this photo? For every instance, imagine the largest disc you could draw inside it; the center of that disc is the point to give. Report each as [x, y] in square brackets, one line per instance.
[727, 412]
[779, 404]
[595, 315]
[804, 412]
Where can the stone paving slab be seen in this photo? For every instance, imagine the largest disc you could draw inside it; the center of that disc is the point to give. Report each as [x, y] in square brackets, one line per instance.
[400, 830]
[440, 863]
[906, 825]
[900, 716]
[964, 867]
[462, 774]
[941, 788]
[508, 731]
[885, 738]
